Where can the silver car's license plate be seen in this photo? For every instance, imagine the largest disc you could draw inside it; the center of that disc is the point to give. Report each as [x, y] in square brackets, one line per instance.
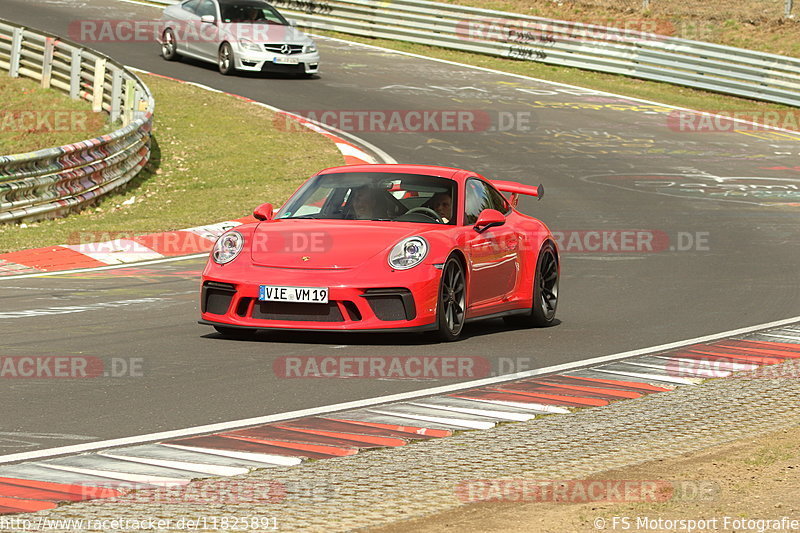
[277, 293]
[286, 60]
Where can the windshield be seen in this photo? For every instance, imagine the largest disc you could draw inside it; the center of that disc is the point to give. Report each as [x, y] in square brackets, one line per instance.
[374, 196]
[253, 12]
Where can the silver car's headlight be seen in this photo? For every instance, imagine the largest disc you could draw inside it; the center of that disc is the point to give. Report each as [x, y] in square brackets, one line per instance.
[408, 253]
[250, 46]
[227, 247]
[310, 48]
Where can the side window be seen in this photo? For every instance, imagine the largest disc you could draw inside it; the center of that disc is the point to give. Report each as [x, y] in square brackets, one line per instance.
[191, 5]
[206, 8]
[476, 200]
[499, 201]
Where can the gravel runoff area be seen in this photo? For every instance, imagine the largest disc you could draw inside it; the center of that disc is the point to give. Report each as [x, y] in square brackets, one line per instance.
[388, 485]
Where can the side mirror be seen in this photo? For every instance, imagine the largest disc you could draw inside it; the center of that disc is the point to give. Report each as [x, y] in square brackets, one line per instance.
[489, 218]
[292, 22]
[263, 212]
[208, 19]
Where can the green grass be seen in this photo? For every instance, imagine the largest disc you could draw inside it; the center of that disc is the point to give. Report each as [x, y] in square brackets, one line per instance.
[648, 90]
[32, 118]
[214, 158]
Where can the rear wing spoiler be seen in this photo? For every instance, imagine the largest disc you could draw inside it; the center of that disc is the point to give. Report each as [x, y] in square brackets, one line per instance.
[515, 189]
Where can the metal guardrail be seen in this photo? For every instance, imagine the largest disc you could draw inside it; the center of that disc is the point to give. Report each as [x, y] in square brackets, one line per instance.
[701, 65]
[55, 181]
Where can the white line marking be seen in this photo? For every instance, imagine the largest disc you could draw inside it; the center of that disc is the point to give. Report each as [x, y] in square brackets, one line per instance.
[502, 415]
[458, 422]
[123, 476]
[197, 468]
[782, 336]
[356, 404]
[49, 311]
[263, 458]
[109, 267]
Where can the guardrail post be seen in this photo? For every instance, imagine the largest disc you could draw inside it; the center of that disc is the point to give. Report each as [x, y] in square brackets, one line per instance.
[116, 95]
[137, 103]
[99, 82]
[789, 8]
[47, 61]
[130, 101]
[75, 73]
[16, 49]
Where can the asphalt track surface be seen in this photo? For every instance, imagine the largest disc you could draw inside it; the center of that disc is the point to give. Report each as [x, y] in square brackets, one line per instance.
[585, 148]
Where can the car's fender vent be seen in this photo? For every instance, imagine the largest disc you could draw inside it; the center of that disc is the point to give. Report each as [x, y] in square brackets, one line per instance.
[243, 306]
[391, 303]
[216, 297]
[299, 312]
[352, 310]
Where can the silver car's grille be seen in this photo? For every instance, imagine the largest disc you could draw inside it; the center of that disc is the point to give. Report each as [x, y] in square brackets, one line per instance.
[285, 49]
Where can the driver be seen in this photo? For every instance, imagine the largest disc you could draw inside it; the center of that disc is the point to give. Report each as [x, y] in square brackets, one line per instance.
[442, 203]
[364, 204]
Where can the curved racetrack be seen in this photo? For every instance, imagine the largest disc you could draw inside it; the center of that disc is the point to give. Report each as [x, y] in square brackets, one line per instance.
[609, 164]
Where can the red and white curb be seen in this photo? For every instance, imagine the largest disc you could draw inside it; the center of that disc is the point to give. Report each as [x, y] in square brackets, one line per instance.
[106, 473]
[167, 244]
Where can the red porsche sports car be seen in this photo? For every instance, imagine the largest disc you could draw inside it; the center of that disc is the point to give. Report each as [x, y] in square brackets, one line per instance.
[385, 247]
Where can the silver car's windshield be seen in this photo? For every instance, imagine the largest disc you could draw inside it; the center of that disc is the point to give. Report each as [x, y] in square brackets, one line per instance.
[251, 12]
[374, 196]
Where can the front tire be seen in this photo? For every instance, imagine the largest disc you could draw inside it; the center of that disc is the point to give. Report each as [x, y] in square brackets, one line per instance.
[545, 291]
[169, 46]
[451, 306]
[226, 61]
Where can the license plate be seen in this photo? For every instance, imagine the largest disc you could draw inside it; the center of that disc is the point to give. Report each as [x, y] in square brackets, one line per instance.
[277, 293]
[286, 60]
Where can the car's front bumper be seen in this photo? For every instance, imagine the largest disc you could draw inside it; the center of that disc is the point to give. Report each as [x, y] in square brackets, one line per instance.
[267, 62]
[401, 300]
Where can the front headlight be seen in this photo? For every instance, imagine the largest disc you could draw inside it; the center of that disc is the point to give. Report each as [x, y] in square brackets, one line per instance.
[250, 46]
[310, 48]
[227, 247]
[408, 253]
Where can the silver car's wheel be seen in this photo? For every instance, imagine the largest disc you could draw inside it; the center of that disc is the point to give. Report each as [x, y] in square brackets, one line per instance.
[169, 47]
[226, 61]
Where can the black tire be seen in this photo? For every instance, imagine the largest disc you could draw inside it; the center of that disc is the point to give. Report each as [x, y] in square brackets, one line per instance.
[235, 333]
[545, 291]
[225, 60]
[452, 304]
[169, 46]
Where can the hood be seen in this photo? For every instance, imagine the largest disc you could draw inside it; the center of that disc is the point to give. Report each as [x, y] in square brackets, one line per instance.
[326, 244]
